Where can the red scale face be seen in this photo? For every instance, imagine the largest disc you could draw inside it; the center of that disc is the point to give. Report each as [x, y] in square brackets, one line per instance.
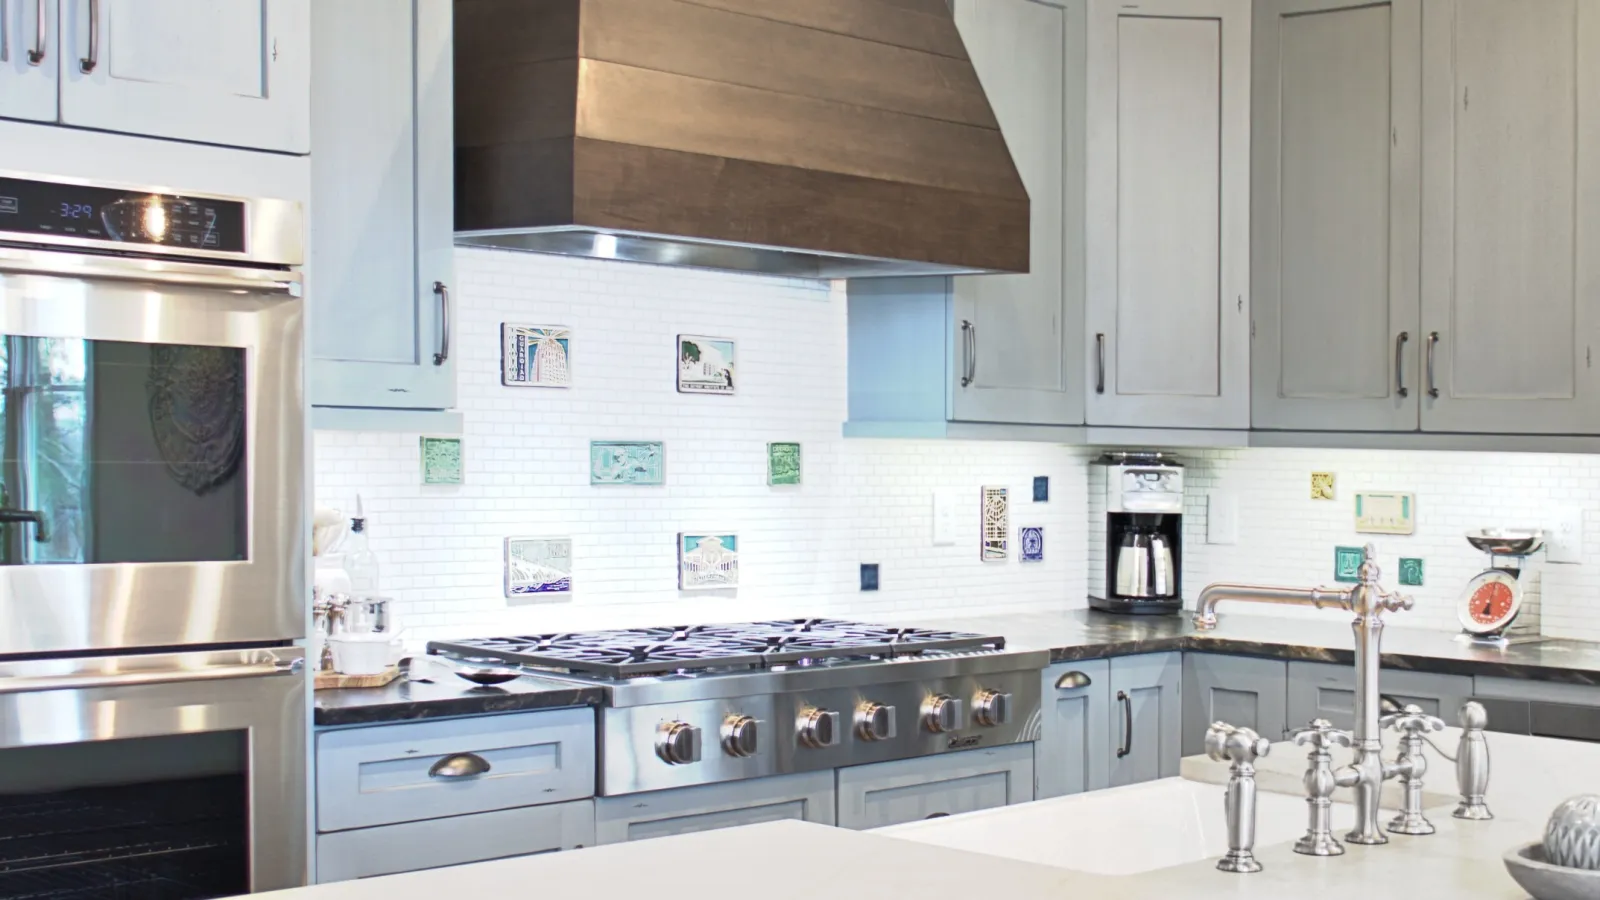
[1490, 603]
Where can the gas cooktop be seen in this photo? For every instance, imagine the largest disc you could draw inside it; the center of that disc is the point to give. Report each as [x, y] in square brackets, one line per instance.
[631, 652]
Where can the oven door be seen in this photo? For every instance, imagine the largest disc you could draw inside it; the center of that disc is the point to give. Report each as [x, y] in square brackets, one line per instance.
[152, 486]
[180, 776]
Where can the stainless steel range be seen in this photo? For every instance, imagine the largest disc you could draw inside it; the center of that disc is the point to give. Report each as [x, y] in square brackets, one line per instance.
[711, 703]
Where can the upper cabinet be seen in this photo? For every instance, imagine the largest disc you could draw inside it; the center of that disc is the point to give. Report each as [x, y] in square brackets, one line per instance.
[1168, 241]
[382, 188]
[233, 73]
[1334, 220]
[28, 49]
[1510, 215]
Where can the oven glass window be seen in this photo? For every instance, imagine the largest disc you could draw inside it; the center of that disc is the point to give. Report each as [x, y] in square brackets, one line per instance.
[121, 452]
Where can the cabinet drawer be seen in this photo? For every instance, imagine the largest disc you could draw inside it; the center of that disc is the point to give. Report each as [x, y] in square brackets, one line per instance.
[413, 846]
[1326, 691]
[380, 775]
[905, 790]
[807, 796]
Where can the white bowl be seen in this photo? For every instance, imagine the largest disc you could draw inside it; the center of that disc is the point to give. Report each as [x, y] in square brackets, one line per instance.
[1546, 881]
[360, 654]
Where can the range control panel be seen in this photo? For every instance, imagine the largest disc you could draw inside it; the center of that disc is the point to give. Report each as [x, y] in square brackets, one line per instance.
[132, 217]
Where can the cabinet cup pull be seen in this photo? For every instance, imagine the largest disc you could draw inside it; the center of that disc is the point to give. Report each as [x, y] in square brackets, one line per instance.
[459, 765]
[1433, 341]
[1127, 724]
[1400, 364]
[1071, 681]
[1100, 364]
[87, 64]
[969, 352]
[443, 293]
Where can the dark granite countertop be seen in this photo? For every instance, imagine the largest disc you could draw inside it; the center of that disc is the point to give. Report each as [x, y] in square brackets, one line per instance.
[443, 695]
[1086, 634]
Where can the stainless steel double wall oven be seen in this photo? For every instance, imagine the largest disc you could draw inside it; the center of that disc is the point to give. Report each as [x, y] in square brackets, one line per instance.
[152, 541]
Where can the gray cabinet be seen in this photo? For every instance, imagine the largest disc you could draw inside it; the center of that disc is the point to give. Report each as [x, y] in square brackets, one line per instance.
[1335, 241]
[994, 348]
[382, 188]
[1541, 709]
[413, 846]
[1167, 199]
[235, 73]
[28, 66]
[905, 790]
[1326, 691]
[807, 796]
[1511, 215]
[1243, 691]
[1073, 750]
[1146, 716]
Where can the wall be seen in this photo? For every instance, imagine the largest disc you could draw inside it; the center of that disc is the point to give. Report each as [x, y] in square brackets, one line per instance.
[526, 457]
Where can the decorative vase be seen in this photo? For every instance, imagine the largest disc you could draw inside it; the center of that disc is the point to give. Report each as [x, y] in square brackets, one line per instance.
[1572, 838]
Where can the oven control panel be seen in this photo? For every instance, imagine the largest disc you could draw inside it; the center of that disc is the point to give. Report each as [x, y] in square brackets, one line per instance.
[141, 218]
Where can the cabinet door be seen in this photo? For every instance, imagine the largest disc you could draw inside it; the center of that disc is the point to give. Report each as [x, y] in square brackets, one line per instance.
[905, 790]
[1335, 204]
[1073, 752]
[1017, 336]
[1146, 717]
[1243, 691]
[1511, 214]
[1326, 691]
[28, 64]
[433, 843]
[807, 796]
[235, 73]
[1168, 200]
[382, 184]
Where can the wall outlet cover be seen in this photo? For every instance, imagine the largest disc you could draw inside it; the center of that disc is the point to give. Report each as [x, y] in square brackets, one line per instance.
[1322, 485]
[1347, 564]
[1222, 517]
[1041, 489]
[945, 526]
[441, 460]
[869, 576]
[1410, 571]
[1031, 537]
[1564, 540]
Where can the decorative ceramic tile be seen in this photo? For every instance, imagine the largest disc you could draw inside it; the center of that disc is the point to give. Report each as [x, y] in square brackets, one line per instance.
[441, 460]
[783, 464]
[535, 355]
[869, 576]
[538, 566]
[996, 522]
[1410, 571]
[707, 561]
[705, 365]
[1322, 485]
[627, 462]
[1032, 539]
[1041, 489]
[1347, 564]
[1386, 513]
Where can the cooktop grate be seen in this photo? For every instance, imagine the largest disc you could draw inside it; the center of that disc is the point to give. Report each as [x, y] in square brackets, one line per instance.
[627, 652]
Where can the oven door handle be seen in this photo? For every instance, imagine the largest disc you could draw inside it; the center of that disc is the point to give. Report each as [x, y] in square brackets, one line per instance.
[274, 663]
[18, 261]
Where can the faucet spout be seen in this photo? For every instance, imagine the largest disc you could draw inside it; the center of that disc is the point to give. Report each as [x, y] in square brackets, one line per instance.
[1205, 612]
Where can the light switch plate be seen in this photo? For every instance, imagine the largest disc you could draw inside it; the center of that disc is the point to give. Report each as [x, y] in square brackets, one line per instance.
[946, 504]
[1222, 517]
[1565, 543]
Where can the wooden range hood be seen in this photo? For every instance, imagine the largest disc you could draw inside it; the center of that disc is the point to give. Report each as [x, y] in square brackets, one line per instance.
[819, 138]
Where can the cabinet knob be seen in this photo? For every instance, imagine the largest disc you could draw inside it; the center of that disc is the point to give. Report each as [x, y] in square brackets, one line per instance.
[993, 708]
[875, 722]
[677, 743]
[942, 713]
[739, 736]
[819, 728]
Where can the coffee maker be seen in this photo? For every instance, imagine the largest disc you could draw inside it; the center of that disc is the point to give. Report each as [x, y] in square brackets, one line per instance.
[1136, 553]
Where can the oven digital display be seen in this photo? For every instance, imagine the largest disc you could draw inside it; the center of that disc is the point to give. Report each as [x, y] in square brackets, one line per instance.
[130, 217]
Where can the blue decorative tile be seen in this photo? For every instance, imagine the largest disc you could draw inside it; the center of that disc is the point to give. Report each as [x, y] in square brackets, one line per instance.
[1041, 489]
[538, 566]
[1347, 564]
[708, 561]
[627, 462]
[869, 576]
[1032, 540]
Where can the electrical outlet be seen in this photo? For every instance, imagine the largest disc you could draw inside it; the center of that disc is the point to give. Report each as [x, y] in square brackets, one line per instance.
[946, 503]
[1565, 543]
[1222, 517]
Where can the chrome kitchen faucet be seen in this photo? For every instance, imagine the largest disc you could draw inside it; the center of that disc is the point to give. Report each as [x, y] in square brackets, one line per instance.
[1367, 772]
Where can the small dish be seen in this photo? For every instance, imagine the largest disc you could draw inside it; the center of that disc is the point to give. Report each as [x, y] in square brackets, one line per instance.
[486, 672]
[1546, 881]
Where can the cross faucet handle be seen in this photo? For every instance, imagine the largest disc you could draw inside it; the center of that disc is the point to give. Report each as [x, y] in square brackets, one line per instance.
[1412, 719]
[1321, 735]
[1226, 743]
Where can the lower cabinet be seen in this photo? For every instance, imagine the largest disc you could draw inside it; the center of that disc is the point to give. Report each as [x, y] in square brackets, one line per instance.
[1325, 691]
[905, 790]
[807, 796]
[430, 844]
[1243, 691]
[1147, 717]
[1072, 751]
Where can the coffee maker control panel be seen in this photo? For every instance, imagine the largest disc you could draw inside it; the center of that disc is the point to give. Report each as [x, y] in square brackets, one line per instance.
[1142, 489]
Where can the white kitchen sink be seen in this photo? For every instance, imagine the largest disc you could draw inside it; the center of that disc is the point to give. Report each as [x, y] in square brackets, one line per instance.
[1118, 831]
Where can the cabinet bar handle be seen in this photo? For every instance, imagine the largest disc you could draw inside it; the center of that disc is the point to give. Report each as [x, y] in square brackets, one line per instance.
[1100, 356]
[969, 350]
[1071, 681]
[443, 293]
[1127, 724]
[87, 64]
[459, 765]
[36, 55]
[1433, 341]
[1400, 364]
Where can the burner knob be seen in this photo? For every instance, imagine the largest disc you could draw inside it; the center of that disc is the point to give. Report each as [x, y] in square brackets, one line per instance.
[739, 736]
[678, 743]
[993, 708]
[819, 728]
[875, 722]
[942, 712]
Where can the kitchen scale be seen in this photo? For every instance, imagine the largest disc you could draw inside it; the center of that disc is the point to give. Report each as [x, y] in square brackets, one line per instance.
[1500, 605]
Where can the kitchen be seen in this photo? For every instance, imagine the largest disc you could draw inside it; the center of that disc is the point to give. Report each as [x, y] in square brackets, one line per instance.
[834, 431]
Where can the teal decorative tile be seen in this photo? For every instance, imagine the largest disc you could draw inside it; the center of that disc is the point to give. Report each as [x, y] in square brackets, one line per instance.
[627, 462]
[1347, 564]
[783, 463]
[441, 460]
[1411, 571]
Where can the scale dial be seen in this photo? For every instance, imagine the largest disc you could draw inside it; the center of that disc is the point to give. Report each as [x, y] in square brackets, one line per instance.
[1490, 602]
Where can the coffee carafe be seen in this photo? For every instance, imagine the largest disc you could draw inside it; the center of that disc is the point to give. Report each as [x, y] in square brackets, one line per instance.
[1138, 566]
[1144, 565]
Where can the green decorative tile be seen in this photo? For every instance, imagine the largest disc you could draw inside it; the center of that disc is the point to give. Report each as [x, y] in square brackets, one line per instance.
[441, 460]
[783, 463]
[1411, 571]
[1347, 564]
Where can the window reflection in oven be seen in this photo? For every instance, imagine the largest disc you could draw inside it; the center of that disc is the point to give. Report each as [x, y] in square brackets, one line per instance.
[162, 818]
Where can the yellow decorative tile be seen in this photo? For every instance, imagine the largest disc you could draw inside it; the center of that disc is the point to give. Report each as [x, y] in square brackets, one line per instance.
[1322, 485]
